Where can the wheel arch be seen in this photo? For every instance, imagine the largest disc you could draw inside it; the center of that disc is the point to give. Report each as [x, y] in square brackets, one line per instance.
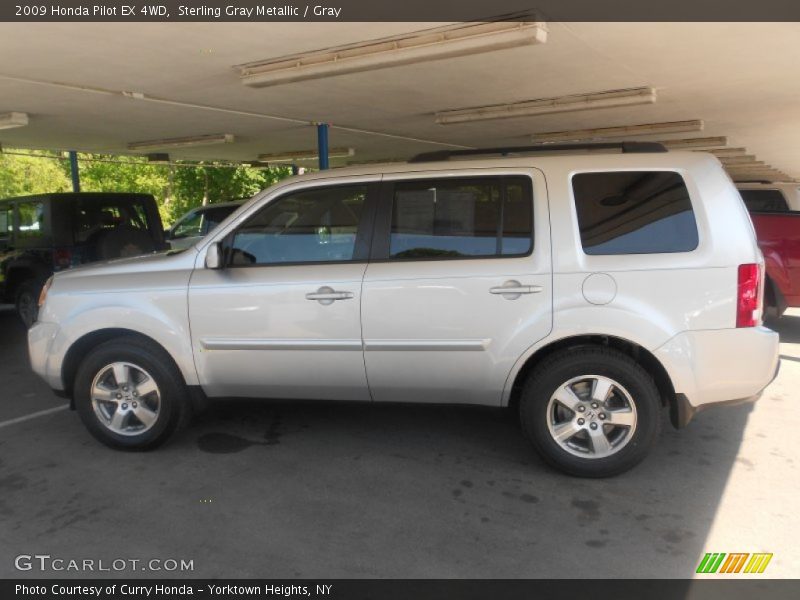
[640, 354]
[83, 345]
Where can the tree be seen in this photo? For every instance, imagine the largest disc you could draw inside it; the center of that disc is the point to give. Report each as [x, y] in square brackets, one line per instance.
[177, 188]
[22, 174]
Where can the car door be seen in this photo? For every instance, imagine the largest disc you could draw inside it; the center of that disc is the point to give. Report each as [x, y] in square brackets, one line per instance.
[282, 318]
[459, 286]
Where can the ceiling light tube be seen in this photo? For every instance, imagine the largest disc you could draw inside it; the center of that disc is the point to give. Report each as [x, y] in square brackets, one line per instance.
[13, 119]
[186, 142]
[548, 106]
[727, 152]
[305, 155]
[450, 41]
[695, 143]
[618, 132]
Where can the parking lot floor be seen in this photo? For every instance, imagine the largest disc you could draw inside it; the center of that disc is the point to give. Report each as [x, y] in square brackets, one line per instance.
[346, 490]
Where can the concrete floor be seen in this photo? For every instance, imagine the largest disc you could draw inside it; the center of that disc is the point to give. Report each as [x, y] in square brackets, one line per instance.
[321, 491]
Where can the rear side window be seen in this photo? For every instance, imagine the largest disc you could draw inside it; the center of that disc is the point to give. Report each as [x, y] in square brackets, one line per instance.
[457, 218]
[96, 215]
[634, 212]
[764, 200]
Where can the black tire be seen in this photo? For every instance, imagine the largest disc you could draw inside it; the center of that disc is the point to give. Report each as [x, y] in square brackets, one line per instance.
[173, 411]
[26, 301]
[581, 361]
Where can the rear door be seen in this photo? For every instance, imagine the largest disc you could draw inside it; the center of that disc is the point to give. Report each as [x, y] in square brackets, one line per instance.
[459, 284]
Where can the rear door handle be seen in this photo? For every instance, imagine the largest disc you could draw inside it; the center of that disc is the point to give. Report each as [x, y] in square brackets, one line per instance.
[512, 289]
[327, 295]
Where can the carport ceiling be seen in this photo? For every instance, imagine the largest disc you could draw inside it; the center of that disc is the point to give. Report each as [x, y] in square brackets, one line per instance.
[70, 78]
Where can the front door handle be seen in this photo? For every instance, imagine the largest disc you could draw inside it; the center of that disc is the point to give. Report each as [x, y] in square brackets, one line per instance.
[327, 295]
[512, 289]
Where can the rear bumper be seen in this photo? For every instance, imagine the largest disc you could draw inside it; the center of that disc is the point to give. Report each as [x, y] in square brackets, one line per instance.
[681, 411]
[718, 367]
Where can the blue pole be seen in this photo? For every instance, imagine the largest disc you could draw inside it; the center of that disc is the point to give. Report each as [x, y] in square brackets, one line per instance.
[295, 170]
[322, 145]
[73, 169]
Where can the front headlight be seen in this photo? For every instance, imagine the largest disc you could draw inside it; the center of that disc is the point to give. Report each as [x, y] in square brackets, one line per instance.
[45, 289]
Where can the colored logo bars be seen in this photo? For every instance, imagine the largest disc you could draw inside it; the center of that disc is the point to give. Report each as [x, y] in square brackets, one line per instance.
[720, 562]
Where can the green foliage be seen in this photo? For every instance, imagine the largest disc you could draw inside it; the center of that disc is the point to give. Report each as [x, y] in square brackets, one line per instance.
[25, 175]
[177, 188]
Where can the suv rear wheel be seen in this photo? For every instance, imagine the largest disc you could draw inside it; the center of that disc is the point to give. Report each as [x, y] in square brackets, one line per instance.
[591, 411]
[129, 394]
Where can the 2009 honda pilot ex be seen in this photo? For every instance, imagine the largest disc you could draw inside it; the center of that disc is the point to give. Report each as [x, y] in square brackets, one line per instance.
[591, 290]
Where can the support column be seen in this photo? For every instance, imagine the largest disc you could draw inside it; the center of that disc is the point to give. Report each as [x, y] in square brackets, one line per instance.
[295, 169]
[322, 145]
[73, 169]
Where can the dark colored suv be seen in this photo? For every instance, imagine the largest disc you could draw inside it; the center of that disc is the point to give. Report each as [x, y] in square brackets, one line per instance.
[42, 234]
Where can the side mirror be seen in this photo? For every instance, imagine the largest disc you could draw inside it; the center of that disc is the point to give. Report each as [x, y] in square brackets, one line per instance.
[214, 256]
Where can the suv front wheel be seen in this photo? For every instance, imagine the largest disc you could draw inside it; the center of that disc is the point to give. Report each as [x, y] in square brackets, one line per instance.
[129, 394]
[591, 411]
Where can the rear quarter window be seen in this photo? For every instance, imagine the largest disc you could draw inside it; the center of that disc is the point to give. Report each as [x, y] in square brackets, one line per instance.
[634, 212]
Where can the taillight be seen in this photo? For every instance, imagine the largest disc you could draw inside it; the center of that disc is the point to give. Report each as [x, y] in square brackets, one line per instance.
[62, 258]
[747, 296]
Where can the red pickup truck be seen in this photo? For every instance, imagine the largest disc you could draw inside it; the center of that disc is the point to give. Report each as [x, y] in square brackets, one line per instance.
[775, 211]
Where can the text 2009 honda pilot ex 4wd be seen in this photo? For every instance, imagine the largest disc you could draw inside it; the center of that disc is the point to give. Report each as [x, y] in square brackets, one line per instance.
[590, 289]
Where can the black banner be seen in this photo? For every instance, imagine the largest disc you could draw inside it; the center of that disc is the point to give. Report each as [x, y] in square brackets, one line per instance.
[408, 10]
[385, 589]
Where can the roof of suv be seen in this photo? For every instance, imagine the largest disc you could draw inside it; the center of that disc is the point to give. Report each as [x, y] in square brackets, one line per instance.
[579, 160]
[62, 196]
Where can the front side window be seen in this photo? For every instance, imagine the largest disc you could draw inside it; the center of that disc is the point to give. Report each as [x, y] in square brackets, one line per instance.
[461, 218]
[31, 219]
[764, 200]
[634, 212]
[318, 225]
[6, 220]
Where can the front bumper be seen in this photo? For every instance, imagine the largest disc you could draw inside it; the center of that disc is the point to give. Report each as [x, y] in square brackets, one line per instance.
[40, 342]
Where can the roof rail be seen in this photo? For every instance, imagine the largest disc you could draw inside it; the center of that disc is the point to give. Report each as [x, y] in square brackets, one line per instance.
[625, 147]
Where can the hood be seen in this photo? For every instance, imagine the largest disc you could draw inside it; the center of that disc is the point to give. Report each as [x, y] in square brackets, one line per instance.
[149, 263]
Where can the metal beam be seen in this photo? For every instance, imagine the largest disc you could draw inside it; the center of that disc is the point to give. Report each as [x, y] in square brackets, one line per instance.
[322, 145]
[74, 172]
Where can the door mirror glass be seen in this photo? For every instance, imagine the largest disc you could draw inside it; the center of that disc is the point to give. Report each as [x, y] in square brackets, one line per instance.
[214, 256]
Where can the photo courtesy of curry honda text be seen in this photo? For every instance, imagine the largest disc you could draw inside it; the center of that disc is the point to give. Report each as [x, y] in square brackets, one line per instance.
[588, 291]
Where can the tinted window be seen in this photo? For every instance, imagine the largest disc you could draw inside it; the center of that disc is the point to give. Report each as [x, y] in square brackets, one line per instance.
[310, 226]
[95, 215]
[634, 212]
[31, 219]
[214, 216]
[452, 218]
[764, 200]
[6, 219]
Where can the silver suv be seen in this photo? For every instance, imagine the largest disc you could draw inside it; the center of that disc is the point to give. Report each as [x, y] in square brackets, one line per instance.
[589, 290]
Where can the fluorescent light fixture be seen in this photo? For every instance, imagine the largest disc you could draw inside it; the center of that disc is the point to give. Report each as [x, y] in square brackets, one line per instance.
[462, 39]
[617, 132]
[548, 106]
[304, 155]
[740, 160]
[727, 152]
[13, 119]
[186, 142]
[695, 143]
